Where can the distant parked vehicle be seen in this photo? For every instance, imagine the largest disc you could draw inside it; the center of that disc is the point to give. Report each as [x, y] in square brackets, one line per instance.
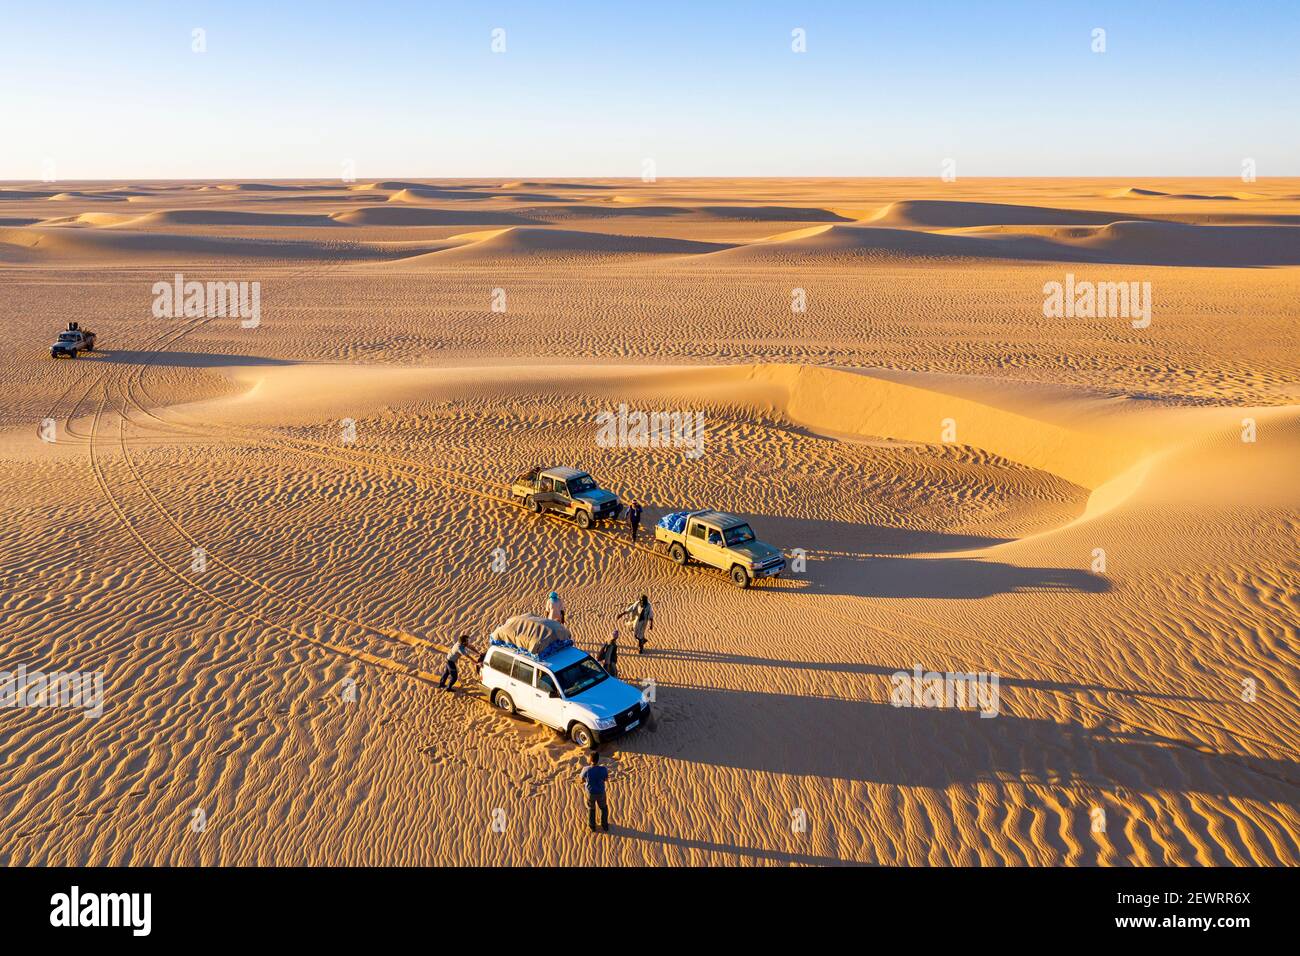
[72, 340]
[569, 491]
[533, 668]
[721, 541]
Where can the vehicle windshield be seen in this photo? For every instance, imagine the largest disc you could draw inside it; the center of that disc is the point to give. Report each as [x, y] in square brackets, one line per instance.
[67, 336]
[579, 676]
[739, 535]
[580, 484]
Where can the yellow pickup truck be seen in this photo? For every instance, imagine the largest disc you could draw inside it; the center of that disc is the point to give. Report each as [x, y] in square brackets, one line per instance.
[721, 541]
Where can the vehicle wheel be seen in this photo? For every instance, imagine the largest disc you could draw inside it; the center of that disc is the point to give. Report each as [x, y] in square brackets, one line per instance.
[503, 702]
[677, 553]
[584, 518]
[581, 735]
[72, 354]
[533, 504]
[739, 576]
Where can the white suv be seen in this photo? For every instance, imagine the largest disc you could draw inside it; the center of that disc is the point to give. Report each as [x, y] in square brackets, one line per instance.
[565, 689]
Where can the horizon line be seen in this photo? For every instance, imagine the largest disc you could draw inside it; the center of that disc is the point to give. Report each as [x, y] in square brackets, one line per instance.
[622, 179]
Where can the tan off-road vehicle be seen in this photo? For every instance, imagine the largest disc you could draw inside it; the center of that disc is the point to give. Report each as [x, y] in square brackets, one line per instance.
[721, 541]
[569, 491]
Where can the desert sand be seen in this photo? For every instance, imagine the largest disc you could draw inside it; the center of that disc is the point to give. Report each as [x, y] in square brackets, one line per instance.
[951, 461]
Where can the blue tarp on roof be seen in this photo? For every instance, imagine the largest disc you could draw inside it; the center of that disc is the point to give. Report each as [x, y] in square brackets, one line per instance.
[674, 521]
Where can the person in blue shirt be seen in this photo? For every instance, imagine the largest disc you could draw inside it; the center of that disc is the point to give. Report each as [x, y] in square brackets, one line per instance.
[593, 777]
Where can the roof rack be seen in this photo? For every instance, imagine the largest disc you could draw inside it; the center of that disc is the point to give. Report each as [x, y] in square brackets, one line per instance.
[552, 648]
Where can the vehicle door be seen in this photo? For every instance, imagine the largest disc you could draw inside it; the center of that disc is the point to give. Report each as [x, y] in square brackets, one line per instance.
[521, 686]
[563, 500]
[706, 545]
[549, 705]
[546, 491]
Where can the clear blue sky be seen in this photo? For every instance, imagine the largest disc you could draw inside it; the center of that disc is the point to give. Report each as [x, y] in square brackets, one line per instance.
[112, 90]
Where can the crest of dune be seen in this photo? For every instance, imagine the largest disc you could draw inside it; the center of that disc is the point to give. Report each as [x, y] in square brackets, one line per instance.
[951, 214]
[401, 215]
[87, 197]
[1134, 192]
[529, 242]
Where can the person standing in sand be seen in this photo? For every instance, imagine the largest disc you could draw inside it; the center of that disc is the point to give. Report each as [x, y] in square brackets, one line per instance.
[593, 777]
[555, 607]
[608, 655]
[450, 674]
[642, 615]
[634, 519]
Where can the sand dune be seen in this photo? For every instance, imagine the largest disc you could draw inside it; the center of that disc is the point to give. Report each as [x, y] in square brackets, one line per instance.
[429, 194]
[531, 242]
[86, 197]
[539, 184]
[707, 212]
[22, 195]
[229, 217]
[1179, 244]
[836, 242]
[418, 216]
[93, 245]
[1132, 192]
[262, 187]
[1135, 243]
[91, 219]
[1103, 515]
[920, 230]
[931, 213]
[392, 184]
[1096, 732]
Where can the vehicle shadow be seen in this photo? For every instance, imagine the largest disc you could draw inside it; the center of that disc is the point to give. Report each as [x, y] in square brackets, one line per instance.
[849, 667]
[874, 742]
[848, 539]
[869, 560]
[181, 359]
[851, 539]
[927, 577]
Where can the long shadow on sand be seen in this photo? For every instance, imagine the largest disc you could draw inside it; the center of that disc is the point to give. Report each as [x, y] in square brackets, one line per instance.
[182, 359]
[852, 539]
[868, 560]
[755, 852]
[849, 667]
[964, 578]
[875, 742]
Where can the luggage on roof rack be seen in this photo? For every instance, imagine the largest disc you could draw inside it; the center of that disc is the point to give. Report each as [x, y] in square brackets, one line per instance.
[533, 634]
